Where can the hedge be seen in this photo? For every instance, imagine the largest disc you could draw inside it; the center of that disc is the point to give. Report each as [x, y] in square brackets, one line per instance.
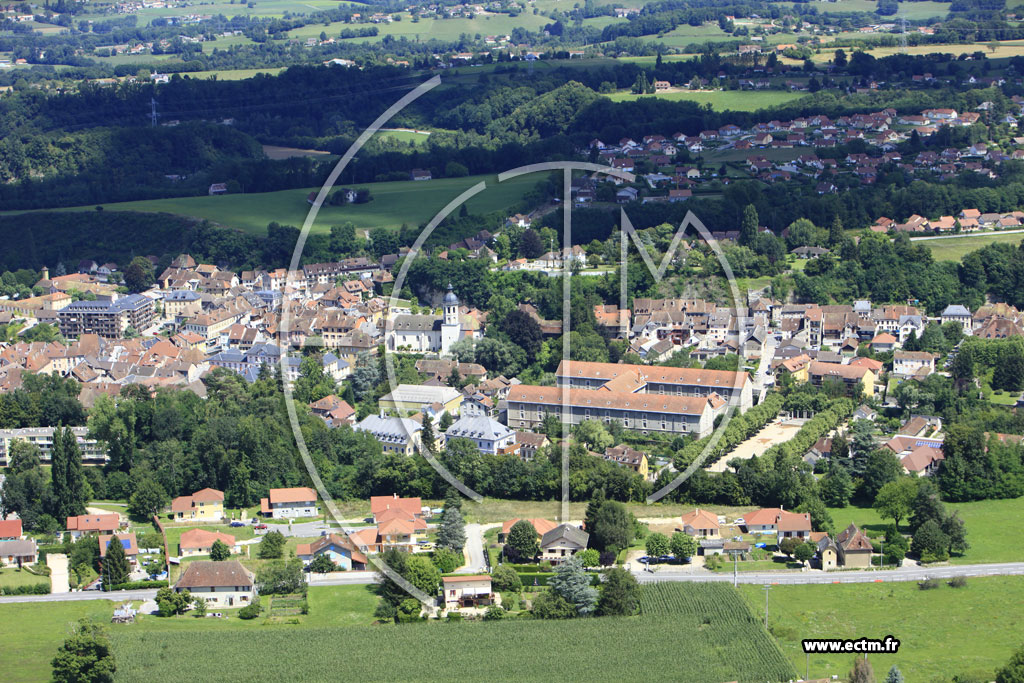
[136, 585]
[44, 549]
[30, 589]
[739, 429]
[542, 578]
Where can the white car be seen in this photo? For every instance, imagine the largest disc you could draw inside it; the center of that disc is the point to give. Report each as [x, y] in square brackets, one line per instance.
[739, 522]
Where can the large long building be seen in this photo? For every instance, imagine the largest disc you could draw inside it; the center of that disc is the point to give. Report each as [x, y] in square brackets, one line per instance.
[109, 319]
[734, 387]
[93, 452]
[644, 412]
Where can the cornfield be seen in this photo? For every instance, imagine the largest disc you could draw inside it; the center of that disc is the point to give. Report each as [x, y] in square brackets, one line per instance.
[687, 637]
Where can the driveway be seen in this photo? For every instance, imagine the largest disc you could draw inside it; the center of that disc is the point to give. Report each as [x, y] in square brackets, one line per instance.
[474, 551]
[58, 564]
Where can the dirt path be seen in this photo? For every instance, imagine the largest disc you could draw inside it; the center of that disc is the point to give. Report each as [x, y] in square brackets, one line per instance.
[773, 433]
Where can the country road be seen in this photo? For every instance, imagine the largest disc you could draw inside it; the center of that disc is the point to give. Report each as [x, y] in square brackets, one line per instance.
[665, 574]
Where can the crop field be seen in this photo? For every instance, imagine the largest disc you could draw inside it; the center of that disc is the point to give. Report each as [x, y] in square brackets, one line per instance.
[393, 203]
[722, 100]
[714, 628]
[954, 248]
[943, 633]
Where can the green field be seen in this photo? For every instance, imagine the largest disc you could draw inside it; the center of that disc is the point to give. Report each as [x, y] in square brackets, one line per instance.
[985, 521]
[942, 632]
[954, 249]
[393, 204]
[722, 100]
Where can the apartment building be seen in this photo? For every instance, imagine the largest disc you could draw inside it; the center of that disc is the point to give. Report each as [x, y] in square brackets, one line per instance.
[109, 319]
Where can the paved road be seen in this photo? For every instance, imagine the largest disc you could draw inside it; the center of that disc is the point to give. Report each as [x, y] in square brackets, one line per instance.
[58, 564]
[987, 233]
[119, 596]
[476, 563]
[818, 577]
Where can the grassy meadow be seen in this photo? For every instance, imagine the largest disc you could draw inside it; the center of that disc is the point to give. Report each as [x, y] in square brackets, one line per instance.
[942, 632]
[722, 100]
[393, 204]
[954, 248]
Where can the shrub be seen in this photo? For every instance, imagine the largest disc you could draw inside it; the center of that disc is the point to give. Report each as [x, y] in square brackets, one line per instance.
[505, 578]
[28, 589]
[607, 558]
[138, 585]
[494, 613]
[928, 584]
[250, 611]
[958, 582]
[455, 616]
[445, 560]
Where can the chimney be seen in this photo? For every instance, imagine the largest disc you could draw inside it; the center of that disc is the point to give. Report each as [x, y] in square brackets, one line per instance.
[45, 273]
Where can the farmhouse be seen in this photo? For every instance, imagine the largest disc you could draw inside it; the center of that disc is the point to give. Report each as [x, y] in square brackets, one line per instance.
[221, 584]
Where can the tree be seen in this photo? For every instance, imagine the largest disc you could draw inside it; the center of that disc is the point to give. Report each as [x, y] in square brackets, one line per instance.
[452, 533]
[523, 330]
[199, 607]
[657, 545]
[138, 276]
[821, 519]
[272, 546]
[613, 527]
[748, 225]
[929, 542]
[66, 476]
[445, 560]
[953, 527]
[881, 468]
[1013, 672]
[421, 573]
[862, 671]
[927, 506]
[280, 577]
[427, 437]
[322, 564]
[504, 578]
[522, 539]
[684, 546]
[895, 499]
[837, 487]
[789, 545]
[149, 498]
[219, 551]
[530, 244]
[115, 564]
[620, 594]
[840, 59]
[551, 605]
[804, 552]
[894, 675]
[835, 232]
[171, 602]
[594, 435]
[572, 582]
[85, 656]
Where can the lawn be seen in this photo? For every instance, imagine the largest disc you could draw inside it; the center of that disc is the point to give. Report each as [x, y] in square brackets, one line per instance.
[942, 632]
[985, 521]
[392, 204]
[12, 577]
[954, 248]
[497, 510]
[722, 100]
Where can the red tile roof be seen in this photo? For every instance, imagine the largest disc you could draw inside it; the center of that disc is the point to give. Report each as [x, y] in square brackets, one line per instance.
[109, 522]
[301, 494]
[10, 528]
[201, 538]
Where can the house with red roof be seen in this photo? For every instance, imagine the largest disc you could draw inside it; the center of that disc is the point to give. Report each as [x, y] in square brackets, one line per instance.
[200, 542]
[10, 530]
[780, 522]
[701, 524]
[127, 541]
[467, 591]
[203, 505]
[80, 525]
[340, 550]
[410, 507]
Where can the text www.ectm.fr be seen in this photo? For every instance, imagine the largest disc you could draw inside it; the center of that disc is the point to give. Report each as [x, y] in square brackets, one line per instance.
[868, 645]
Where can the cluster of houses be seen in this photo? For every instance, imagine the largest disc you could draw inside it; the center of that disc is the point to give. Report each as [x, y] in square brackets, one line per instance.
[662, 180]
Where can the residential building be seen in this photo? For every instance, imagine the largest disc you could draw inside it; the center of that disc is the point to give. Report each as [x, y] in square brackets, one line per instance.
[93, 452]
[204, 505]
[289, 503]
[337, 548]
[127, 541]
[82, 525]
[221, 584]
[628, 457]
[109, 319]
[541, 526]
[913, 363]
[780, 522]
[394, 434]
[530, 443]
[10, 530]
[854, 548]
[562, 542]
[956, 313]
[860, 381]
[487, 434]
[467, 591]
[381, 506]
[701, 524]
[200, 542]
[18, 552]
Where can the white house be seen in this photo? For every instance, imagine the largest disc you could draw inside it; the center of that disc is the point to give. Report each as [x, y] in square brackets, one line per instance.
[289, 503]
[486, 433]
[221, 584]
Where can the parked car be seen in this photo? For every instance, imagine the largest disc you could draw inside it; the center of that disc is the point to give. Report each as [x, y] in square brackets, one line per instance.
[739, 522]
[260, 527]
[236, 523]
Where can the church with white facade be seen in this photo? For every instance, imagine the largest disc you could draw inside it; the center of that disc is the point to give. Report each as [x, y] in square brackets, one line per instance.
[427, 333]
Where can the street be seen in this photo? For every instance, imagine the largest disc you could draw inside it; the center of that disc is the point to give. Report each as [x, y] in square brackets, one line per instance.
[883, 575]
